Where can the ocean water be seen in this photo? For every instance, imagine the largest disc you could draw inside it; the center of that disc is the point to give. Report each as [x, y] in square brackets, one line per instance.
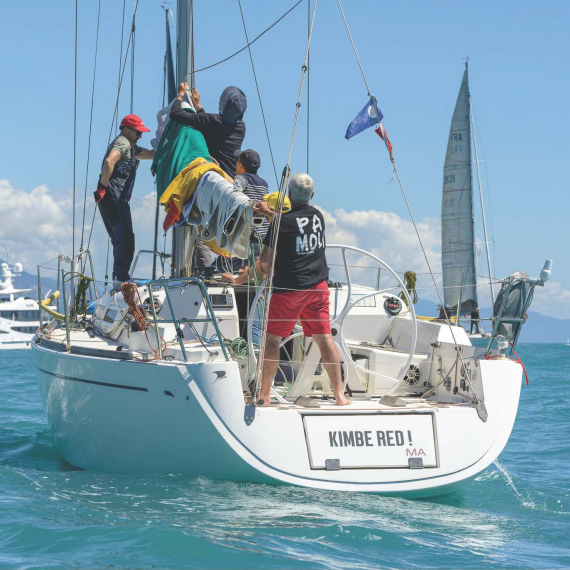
[516, 514]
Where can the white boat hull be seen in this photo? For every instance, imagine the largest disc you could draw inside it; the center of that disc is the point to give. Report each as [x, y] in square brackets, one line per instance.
[134, 417]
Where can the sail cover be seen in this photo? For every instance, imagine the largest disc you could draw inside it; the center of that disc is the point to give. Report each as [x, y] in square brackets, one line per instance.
[457, 221]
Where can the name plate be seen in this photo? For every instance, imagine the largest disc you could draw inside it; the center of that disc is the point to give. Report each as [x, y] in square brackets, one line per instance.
[380, 441]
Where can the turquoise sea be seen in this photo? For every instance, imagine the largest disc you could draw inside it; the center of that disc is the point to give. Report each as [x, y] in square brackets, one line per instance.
[514, 515]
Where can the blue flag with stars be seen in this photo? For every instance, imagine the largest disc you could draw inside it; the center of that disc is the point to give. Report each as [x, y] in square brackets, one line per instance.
[370, 115]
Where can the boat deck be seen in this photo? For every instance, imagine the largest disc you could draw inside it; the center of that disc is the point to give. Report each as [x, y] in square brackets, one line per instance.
[86, 343]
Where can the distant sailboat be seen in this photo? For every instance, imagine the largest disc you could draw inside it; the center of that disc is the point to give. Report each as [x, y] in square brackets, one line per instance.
[457, 214]
[568, 342]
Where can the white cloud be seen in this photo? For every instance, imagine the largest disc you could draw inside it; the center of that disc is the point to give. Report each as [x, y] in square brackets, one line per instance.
[35, 226]
[393, 239]
[552, 300]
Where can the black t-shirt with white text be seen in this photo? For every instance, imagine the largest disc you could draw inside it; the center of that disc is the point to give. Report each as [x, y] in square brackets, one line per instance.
[300, 262]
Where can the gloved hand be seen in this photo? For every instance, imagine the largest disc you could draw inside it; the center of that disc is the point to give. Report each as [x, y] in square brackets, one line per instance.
[99, 194]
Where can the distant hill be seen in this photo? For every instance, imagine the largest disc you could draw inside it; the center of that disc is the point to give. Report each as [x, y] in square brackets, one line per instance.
[538, 329]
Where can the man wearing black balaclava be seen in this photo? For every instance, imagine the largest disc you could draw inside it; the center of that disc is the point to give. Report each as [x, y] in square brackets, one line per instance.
[224, 131]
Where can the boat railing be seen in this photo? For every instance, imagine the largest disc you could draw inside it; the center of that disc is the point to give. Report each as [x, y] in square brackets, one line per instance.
[61, 260]
[83, 258]
[211, 318]
[161, 254]
[520, 314]
[155, 284]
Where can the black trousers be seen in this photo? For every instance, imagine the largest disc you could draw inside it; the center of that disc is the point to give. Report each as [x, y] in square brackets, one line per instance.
[116, 216]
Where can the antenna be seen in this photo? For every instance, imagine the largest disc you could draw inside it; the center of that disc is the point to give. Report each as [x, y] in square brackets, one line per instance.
[8, 252]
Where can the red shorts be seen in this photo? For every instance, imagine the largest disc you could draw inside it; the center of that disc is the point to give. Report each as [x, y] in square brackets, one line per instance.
[311, 306]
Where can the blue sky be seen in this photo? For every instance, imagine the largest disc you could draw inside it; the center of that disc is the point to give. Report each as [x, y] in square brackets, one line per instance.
[413, 55]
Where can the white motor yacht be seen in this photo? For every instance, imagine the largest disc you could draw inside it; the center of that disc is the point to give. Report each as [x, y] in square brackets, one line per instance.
[19, 314]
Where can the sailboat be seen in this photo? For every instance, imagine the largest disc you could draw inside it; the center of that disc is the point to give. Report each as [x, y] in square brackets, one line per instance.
[458, 218]
[160, 381]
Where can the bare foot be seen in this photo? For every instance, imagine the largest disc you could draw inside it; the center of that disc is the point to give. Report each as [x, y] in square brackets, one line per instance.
[342, 400]
[263, 402]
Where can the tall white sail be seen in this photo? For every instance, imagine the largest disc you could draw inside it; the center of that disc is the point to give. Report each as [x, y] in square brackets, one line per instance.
[457, 220]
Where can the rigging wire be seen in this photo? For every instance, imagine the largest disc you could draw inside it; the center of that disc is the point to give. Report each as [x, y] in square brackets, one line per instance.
[487, 186]
[121, 52]
[354, 48]
[74, 130]
[131, 37]
[249, 44]
[115, 113]
[308, 81]
[258, 92]
[90, 124]
[277, 221]
[482, 204]
[133, 29]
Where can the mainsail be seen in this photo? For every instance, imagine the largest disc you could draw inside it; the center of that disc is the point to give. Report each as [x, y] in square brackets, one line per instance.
[457, 219]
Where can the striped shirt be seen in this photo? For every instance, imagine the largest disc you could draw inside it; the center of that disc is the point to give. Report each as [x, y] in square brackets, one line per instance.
[254, 188]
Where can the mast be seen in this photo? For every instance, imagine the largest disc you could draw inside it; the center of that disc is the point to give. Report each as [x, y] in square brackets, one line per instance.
[169, 91]
[482, 205]
[457, 218]
[181, 236]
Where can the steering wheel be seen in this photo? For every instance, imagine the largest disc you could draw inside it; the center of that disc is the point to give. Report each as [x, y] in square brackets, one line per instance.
[337, 324]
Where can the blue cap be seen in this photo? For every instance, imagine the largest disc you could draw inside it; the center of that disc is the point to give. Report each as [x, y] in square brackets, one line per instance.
[233, 104]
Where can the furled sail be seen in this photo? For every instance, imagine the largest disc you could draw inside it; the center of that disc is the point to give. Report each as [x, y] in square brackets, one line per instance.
[169, 71]
[176, 145]
[457, 221]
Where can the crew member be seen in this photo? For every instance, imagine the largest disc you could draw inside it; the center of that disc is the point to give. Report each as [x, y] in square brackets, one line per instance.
[248, 182]
[254, 187]
[224, 131]
[300, 289]
[476, 321]
[114, 192]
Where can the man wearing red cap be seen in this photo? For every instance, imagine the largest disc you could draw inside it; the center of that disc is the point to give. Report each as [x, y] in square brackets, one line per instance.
[114, 192]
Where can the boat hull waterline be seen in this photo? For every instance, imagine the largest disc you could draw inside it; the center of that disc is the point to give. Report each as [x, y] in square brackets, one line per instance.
[188, 418]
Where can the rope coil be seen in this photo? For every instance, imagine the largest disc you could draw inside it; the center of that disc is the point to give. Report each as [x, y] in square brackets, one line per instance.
[130, 292]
